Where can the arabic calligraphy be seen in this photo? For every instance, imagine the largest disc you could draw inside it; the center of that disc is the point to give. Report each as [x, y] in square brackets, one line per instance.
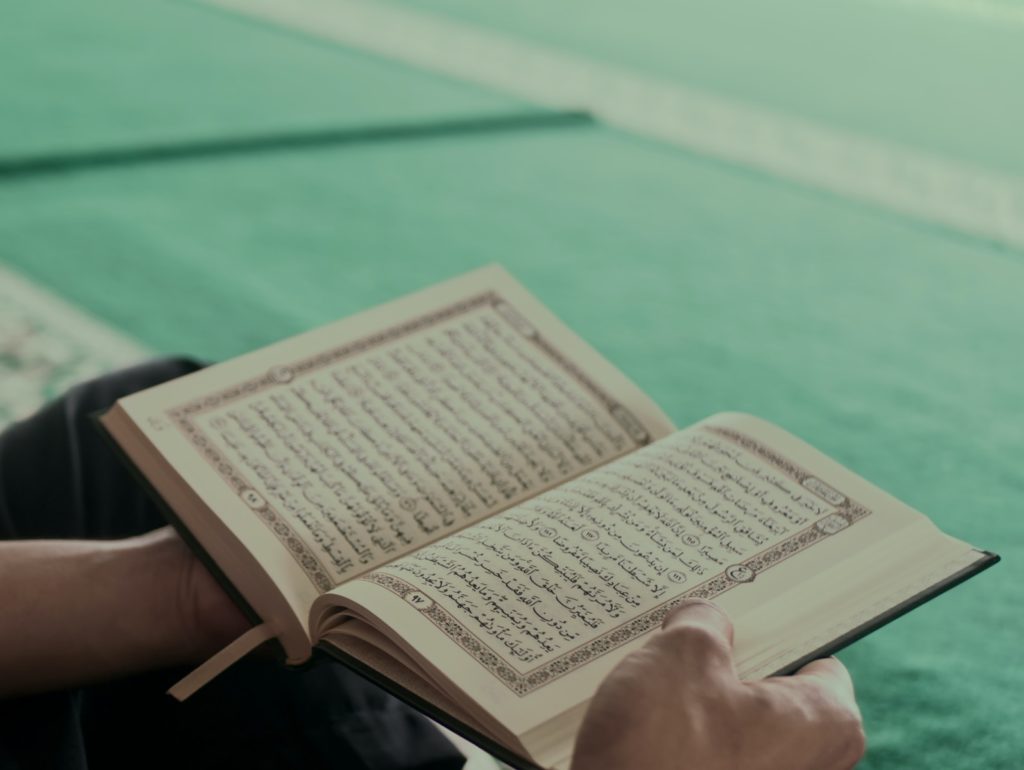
[393, 447]
[559, 571]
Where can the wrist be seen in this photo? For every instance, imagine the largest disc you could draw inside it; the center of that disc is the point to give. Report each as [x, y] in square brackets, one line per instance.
[190, 616]
[200, 617]
[143, 576]
[81, 611]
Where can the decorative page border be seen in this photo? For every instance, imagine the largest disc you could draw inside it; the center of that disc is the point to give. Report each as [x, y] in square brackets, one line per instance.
[847, 512]
[183, 416]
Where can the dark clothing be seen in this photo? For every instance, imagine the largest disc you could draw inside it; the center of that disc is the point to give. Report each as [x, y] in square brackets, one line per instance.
[60, 479]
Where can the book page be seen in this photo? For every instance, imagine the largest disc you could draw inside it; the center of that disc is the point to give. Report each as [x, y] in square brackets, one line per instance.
[339, 450]
[527, 611]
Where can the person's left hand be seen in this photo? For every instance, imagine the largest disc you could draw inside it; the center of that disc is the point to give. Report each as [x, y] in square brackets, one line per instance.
[129, 605]
[206, 619]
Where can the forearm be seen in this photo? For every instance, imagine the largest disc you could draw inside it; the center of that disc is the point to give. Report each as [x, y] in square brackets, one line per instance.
[75, 612]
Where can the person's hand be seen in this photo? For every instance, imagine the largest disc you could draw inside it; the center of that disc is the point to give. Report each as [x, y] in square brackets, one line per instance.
[677, 704]
[128, 605]
[204, 618]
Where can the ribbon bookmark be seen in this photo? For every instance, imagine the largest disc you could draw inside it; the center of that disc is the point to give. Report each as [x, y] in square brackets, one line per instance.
[216, 665]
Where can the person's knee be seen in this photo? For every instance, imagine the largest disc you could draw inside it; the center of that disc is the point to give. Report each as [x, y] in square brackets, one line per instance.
[59, 476]
[102, 392]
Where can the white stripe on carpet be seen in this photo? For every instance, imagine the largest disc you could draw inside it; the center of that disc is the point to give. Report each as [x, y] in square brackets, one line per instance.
[948, 193]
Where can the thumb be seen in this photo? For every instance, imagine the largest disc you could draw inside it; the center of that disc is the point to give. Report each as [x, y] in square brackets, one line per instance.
[699, 635]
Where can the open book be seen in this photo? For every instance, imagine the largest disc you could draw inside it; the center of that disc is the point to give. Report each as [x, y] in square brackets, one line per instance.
[456, 496]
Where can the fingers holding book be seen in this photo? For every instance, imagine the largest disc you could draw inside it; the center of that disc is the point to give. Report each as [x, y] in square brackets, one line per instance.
[679, 702]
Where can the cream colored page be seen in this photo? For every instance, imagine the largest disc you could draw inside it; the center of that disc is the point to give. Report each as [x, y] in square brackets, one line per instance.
[528, 610]
[341, 449]
[846, 596]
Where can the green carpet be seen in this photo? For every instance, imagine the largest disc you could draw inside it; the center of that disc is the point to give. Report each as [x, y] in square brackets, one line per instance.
[894, 346]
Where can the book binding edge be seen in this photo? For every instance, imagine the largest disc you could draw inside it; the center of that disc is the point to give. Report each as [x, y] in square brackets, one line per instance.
[986, 560]
[475, 737]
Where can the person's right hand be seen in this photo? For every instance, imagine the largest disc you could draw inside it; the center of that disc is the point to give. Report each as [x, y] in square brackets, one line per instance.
[677, 704]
